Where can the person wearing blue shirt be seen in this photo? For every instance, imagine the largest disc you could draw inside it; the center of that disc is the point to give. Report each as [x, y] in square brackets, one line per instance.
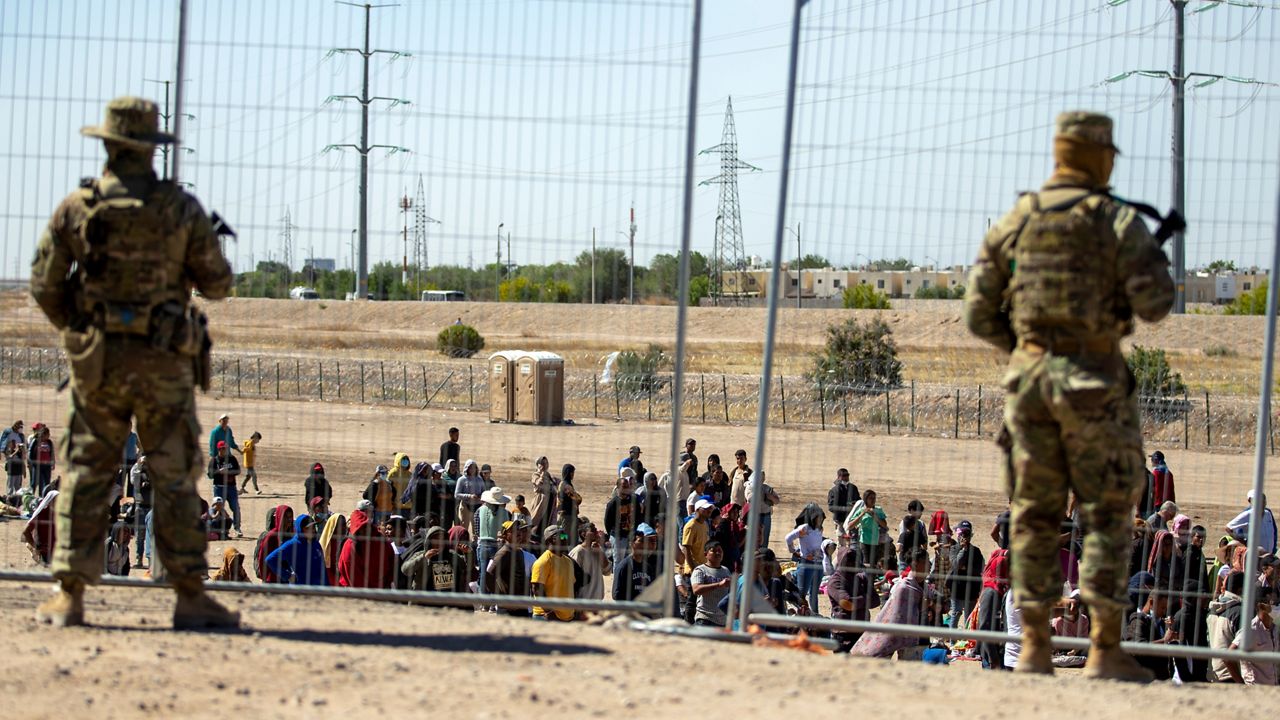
[300, 559]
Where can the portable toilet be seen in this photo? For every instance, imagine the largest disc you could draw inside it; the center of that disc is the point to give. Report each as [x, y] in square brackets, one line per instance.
[502, 385]
[539, 389]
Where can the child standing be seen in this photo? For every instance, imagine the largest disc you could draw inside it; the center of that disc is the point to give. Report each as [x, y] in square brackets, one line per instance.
[13, 466]
[248, 452]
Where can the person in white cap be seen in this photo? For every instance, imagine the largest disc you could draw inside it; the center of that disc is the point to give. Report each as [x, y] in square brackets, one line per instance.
[222, 433]
[1239, 525]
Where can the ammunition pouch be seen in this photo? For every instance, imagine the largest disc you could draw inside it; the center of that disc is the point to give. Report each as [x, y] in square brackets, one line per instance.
[86, 353]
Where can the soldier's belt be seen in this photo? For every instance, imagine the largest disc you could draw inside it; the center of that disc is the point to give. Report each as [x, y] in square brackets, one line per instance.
[1068, 346]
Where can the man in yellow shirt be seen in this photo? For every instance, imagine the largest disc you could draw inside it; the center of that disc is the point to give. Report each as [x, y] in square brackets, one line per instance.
[249, 452]
[553, 575]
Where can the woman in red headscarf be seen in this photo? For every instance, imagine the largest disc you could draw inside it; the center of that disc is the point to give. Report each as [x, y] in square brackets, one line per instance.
[367, 558]
[279, 527]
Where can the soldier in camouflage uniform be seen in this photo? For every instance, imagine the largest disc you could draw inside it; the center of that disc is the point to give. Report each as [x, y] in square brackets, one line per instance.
[1057, 284]
[114, 271]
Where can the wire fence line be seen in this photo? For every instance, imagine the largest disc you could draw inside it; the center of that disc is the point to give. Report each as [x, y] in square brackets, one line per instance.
[1201, 421]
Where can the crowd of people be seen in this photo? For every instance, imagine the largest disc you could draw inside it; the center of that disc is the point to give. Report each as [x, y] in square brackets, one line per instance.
[445, 526]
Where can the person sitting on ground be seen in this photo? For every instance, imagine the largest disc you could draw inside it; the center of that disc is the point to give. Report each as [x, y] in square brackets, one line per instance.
[366, 560]
[232, 569]
[217, 521]
[1072, 623]
[300, 559]
[639, 568]
[117, 549]
[1263, 639]
[907, 605]
[1151, 624]
[41, 531]
[1160, 519]
[279, 526]
[553, 575]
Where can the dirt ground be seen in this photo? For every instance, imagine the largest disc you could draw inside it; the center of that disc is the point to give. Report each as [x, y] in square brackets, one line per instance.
[349, 658]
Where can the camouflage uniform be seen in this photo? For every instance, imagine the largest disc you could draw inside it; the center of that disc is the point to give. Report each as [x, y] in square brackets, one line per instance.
[114, 271]
[1057, 283]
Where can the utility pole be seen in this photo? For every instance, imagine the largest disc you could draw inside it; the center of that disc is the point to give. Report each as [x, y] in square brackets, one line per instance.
[799, 266]
[1178, 79]
[287, 236]
[631, 281]
[365, 52]
[593, 266]
[420, 222]
[510, 265]
[166, 164]
[497, 268]
[406, 203]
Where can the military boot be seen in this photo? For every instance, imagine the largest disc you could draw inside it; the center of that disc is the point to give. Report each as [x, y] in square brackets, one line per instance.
[1037, 651]
[1106, 660]
[66, 607]
[195, 610]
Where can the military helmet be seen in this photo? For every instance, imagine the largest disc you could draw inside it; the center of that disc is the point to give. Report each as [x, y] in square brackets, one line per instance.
[131, 121]
[1085, 126]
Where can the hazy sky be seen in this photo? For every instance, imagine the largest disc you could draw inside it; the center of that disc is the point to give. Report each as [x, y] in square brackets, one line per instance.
[917, 121]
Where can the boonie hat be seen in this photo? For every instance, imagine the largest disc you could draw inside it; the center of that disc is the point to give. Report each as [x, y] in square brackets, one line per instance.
[131, 121]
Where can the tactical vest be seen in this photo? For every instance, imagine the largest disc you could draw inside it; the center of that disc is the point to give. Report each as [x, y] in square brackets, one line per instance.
[1063, 278]
[133, 252]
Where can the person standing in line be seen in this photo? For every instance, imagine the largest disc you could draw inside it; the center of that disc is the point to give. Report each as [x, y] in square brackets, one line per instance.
[250, 455]
[131, 451]
[1057, 283]
[137, 350]
[492, 516]
[621, 514]
[1162, 489]
[805, 545]
[223, 471]
[739, 479]
[589, 555]
[710, 582]
[140, 491]
[42, 457]
[769, 499]
[553, 575]
[842, 496]
[546, 490]
[865, 523]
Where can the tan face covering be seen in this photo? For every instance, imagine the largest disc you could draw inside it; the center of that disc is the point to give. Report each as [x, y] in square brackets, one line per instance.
[1083, 162]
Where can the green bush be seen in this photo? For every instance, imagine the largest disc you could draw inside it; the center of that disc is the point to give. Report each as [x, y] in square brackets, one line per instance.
[864, 297]
[637, 374]
[857, 357]
[1253, 302]
[1150, 367]
[459, 341]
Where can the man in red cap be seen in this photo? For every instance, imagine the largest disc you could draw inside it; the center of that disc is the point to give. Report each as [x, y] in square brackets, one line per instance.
[223, 471]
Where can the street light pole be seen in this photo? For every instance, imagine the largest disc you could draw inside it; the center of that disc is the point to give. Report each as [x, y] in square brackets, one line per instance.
[799, 266]
[1179, 81]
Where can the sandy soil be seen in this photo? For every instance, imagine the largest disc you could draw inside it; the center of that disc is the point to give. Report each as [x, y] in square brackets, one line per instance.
[348, 658]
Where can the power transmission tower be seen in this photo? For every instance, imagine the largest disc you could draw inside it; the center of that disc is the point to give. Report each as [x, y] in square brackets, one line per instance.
[420, 222]
[365, 53]
[287, 236]
[728, 253]
[1178, 80]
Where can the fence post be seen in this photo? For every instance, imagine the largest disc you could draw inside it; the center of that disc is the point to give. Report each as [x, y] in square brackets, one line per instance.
[338, 368]
[724, 388]
[423, 368]
[979, 411]
[888, 415]
[648, 388]
[913, 405]
[782, 388]
[1186, 420]
[595, 395]
[404, 382]
[1208, 438]
[321, 365]
[223, 376]
[257, 361]
[361, 382]
[277, 379]
[617, 399]
[844, 407]
[471, 383]
[957, 430]
[297, 376]
[702, 390]
[237, 377]
[822, 406]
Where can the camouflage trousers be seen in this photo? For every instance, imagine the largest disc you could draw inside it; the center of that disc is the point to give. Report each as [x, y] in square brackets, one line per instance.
[157, 389]
[1074, 427]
